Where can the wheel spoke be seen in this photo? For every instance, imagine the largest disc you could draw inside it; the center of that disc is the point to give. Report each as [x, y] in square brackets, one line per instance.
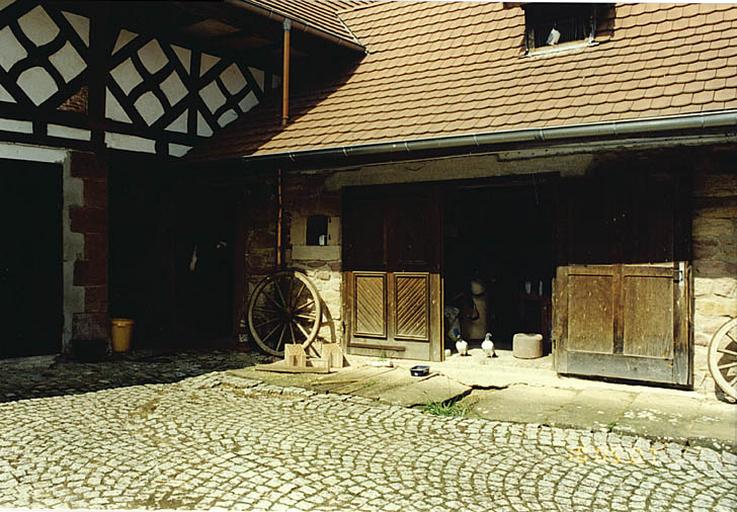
[730, 337]
[266, 322]
[732, 382]
[291, 330]
[272, 331]
[299, 326]
[289, 292]
[727, 365]
[311, 318]
[281, 337]
[305, 305]
[725, 351]
[281, 294]
[299, 293]
[276, 304]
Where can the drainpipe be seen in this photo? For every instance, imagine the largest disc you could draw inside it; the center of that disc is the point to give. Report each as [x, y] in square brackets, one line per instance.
[279, 173]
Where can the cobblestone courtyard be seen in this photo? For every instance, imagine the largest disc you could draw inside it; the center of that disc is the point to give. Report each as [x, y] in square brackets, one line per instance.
[219, 441]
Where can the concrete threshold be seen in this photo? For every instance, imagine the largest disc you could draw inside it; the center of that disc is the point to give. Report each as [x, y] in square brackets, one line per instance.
[530, 392]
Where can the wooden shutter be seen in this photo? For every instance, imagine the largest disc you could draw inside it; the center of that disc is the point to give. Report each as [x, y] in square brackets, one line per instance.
[623, 321]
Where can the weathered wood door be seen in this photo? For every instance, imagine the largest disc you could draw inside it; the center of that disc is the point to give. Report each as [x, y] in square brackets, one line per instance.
[392, 287]
[623, 321]
[622, 288]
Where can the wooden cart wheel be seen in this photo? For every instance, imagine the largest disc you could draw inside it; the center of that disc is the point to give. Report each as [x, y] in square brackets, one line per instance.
[284, 308]
[723, 358]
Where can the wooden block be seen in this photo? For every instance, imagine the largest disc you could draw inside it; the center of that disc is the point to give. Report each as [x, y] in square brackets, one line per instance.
[333, 354]
[294, 356]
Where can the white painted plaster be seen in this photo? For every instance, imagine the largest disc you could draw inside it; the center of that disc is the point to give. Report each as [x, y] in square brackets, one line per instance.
[37, 84]
[12, 51]
[203, 129]
[248, 102]
[233, 79]
[184, 55]
[68, 62]
[258, 75]
[212, 96]
[227, 117]
[80, 24]
[129, 142]
[72, 250]
[179, 124]
[11, 151]
[113, 110]
[124, 37]
[6, 3]
[206, 62]
[178, 149]
[5, 95]
[13, 125]
[126, 76]
[68, 132]
[173, 88]
[149, 106]
[152, 56]
[38, 26]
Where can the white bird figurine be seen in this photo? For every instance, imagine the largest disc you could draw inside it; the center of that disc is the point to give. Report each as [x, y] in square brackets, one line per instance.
[553, 37]
[462, 347]
[488, 346]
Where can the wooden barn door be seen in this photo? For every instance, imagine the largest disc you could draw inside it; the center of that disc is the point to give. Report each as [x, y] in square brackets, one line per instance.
[392, 289]
[622, 287]
[623, 321]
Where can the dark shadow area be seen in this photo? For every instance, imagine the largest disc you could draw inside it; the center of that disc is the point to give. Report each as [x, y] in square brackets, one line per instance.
[59, 375]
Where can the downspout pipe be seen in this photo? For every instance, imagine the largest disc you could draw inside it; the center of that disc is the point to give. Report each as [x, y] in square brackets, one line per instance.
[297, 25]
[486, 141]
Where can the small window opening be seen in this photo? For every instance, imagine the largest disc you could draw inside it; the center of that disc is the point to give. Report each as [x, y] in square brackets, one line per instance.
[317, 230]
[551, 24]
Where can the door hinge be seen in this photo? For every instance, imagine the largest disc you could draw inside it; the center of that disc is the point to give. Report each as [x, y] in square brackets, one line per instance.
[678, 276]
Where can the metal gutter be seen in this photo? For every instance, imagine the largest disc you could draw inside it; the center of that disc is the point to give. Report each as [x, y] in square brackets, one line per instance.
[478, 141]
[297, 25]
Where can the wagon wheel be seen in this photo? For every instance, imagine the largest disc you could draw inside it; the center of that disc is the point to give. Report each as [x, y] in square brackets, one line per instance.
[723, 358]
[284, 308]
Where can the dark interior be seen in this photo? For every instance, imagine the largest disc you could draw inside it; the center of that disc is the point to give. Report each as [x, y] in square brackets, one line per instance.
[171, 256]
[502, 236]
[30, 258]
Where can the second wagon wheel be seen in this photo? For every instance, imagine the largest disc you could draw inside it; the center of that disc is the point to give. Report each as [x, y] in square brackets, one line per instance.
[284, 308]
[723, 358]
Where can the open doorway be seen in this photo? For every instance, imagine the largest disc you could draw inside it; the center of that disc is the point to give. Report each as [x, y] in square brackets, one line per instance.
[498, 260]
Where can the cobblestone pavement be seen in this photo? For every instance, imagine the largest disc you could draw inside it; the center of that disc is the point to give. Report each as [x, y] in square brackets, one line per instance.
[58, 375]
[219, 441]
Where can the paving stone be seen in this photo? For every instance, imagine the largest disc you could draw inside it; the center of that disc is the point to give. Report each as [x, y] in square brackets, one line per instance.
[208, 444]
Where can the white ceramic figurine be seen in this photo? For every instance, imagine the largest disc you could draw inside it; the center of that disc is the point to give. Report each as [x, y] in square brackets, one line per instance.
[462, 347]
[488, 346]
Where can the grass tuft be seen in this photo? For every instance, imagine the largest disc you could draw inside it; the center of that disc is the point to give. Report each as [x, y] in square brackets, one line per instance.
[448, 408]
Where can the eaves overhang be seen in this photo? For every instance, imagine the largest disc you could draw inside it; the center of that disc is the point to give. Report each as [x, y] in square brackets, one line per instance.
[342, 156]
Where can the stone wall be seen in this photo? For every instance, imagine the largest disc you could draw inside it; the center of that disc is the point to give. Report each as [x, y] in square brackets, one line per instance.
[714, 249]
[305, 195]
[86, 247]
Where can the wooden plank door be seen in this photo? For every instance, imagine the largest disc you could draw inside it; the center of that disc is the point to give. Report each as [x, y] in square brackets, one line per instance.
[392, 287]
[624, 321]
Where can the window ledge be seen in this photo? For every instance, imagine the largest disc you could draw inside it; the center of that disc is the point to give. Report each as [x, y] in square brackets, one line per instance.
[546, 51]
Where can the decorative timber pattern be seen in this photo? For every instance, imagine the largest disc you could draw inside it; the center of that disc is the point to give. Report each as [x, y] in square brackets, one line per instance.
[370, 304]
[151, 95]
[412, 306]
[153, 84]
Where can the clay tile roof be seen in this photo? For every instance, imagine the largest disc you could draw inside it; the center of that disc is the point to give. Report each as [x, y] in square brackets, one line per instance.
[319, 14]
[452, 68]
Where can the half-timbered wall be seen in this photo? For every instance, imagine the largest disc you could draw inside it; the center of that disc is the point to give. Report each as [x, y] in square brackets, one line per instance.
[68, 79]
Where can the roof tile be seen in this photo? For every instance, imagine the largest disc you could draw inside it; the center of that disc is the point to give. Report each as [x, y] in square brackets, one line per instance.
[440, 68]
